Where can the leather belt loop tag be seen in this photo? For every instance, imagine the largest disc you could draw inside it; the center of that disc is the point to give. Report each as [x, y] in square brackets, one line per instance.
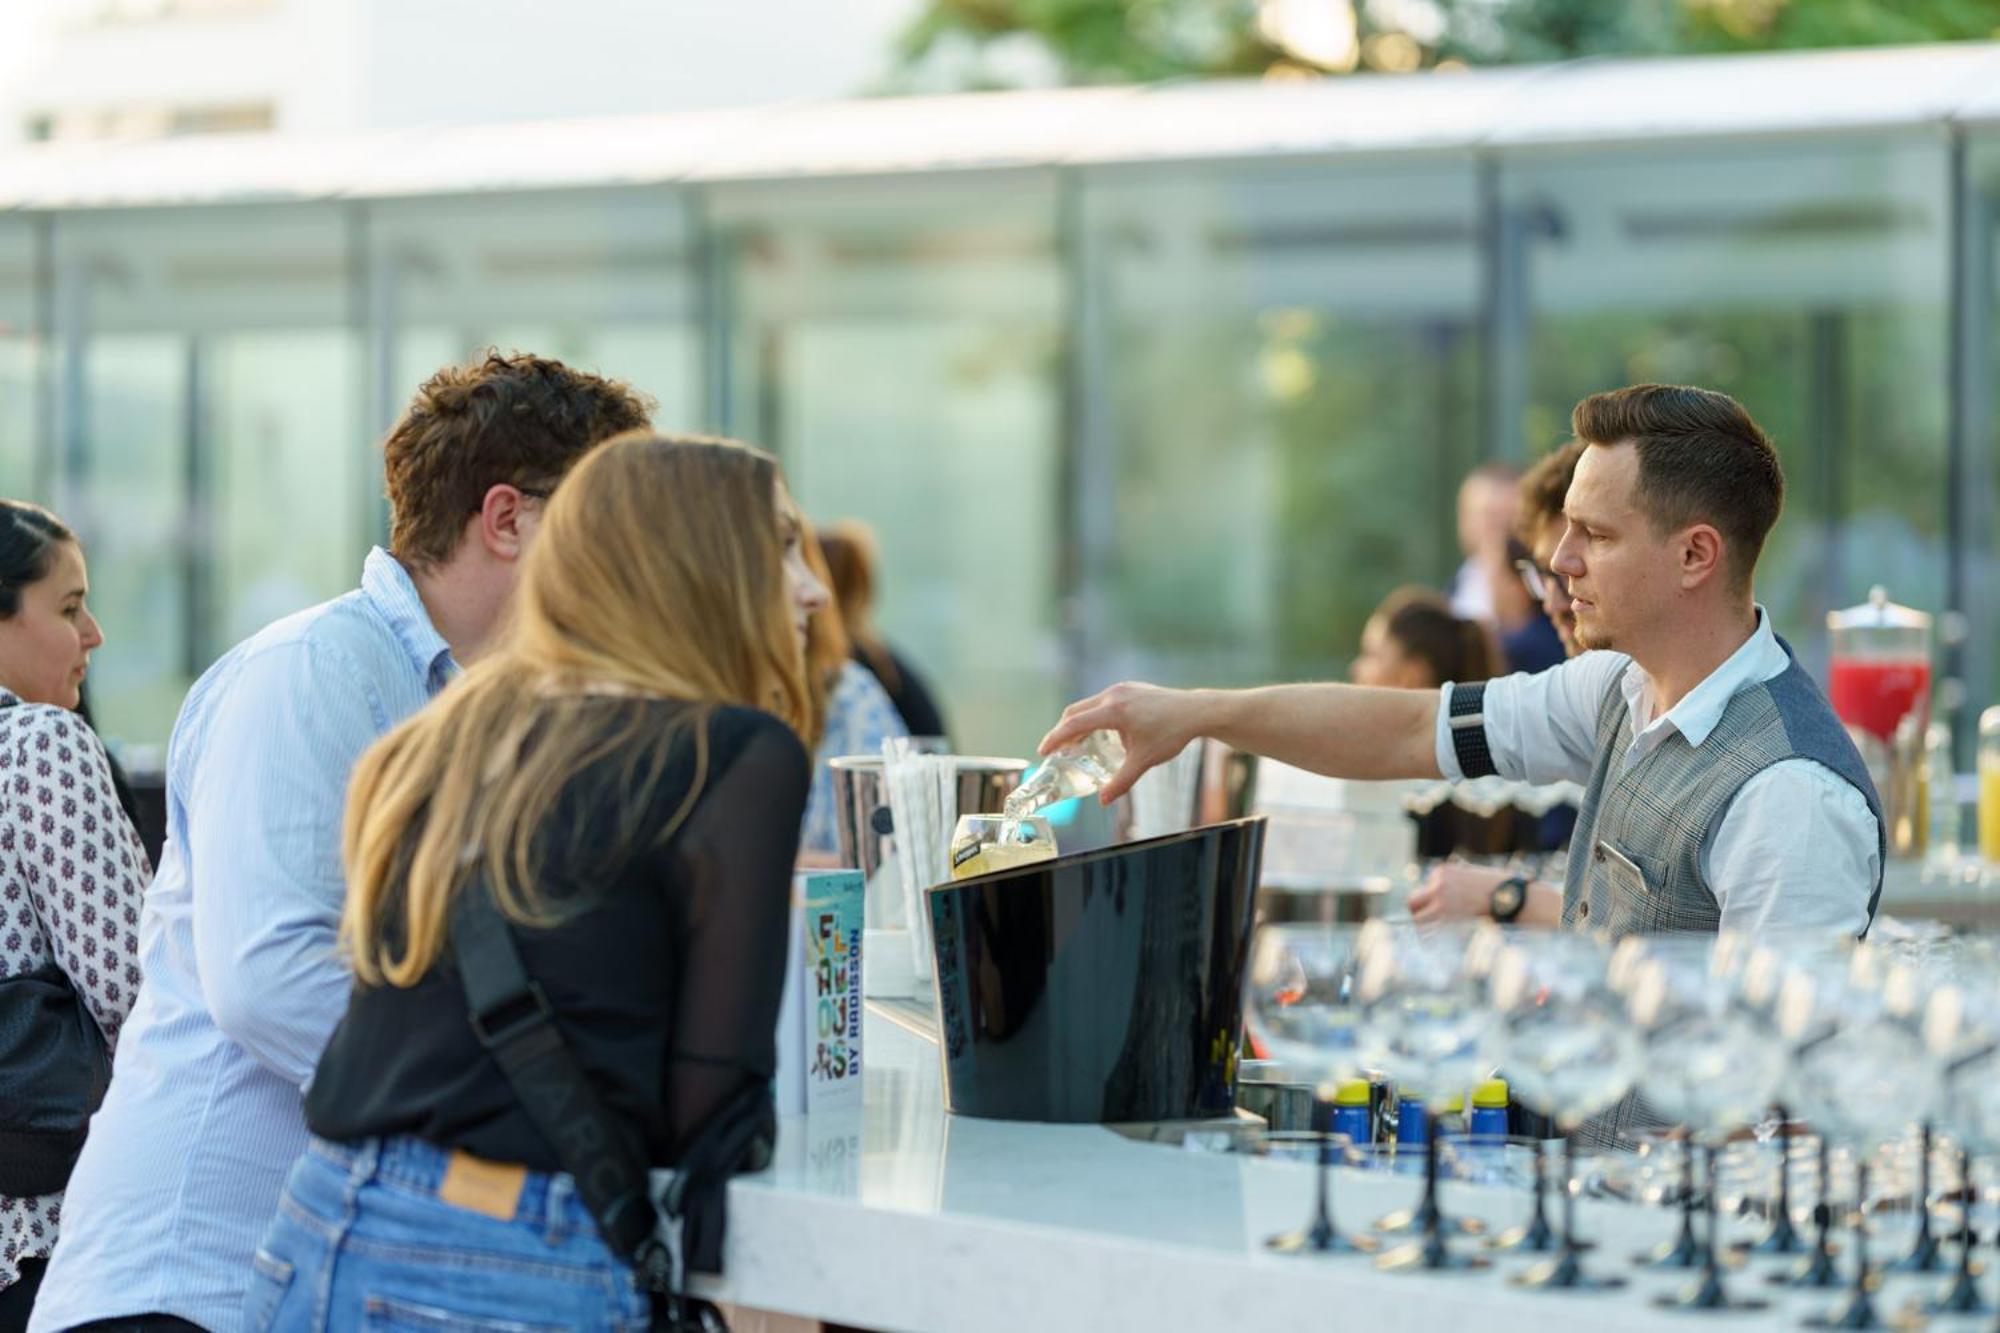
[480, 1186]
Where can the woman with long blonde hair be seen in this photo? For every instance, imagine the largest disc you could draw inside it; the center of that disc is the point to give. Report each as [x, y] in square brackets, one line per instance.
[623, 779]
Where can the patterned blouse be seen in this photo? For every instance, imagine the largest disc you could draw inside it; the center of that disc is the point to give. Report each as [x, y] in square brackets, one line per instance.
[72, 872]
[859, 717]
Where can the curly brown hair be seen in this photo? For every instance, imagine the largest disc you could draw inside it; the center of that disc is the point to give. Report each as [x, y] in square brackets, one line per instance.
[515, 419]
[1544, 487]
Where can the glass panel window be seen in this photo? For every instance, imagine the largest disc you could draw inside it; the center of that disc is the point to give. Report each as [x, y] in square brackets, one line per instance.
[1806, 281]
[18, 352]
[213, 441]
[1287, 379]
[898, 346]
[603, 280]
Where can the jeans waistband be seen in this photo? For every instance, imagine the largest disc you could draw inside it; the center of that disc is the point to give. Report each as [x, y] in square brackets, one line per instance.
[547, 1198]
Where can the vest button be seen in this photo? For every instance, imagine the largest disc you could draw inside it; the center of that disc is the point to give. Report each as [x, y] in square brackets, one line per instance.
[1597, 854]
[1583, 912]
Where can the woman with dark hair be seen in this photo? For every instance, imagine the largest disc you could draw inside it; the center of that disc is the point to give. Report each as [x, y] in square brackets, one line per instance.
[1413, 641]
[851, 711]
[851, 561]
[71, 867]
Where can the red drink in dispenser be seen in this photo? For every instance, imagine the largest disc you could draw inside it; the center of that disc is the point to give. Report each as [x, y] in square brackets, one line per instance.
[1880, 666]
[1879, 682]
[1876, 695]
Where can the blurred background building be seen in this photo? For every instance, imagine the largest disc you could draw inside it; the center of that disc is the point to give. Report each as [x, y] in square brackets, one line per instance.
[1172, 380]
[130, 69]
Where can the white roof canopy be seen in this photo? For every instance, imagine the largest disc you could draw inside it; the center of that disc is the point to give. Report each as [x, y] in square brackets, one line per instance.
[1581, 103]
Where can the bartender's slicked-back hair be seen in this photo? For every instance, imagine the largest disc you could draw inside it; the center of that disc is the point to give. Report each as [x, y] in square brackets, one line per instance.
[1701, 460]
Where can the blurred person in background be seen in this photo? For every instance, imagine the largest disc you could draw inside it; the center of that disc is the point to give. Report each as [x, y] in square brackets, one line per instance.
[851, 712]
[187, 1157]
[1458, 889]
[628, 772]
[854, 560]
[1414, 642]
[1487, 587]
[72, 872]
[1539, 527]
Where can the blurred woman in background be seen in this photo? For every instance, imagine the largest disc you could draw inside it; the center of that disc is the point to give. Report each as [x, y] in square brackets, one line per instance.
[851, 712]
[1414, 642]
[853, 560]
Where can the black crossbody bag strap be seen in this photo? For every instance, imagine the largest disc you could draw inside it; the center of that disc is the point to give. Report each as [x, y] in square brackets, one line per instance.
[517, 1027]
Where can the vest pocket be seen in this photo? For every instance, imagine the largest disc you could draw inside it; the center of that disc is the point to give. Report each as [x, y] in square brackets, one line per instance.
[1632, 888]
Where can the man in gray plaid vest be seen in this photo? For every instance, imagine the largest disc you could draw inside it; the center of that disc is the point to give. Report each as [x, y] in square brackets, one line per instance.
[1720, 790]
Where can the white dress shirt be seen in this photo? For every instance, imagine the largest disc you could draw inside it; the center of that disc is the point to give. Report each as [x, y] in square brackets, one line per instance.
[1797, 846]
[243, 981]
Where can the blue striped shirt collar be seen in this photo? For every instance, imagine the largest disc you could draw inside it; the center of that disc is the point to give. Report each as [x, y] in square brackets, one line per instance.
[389, 588]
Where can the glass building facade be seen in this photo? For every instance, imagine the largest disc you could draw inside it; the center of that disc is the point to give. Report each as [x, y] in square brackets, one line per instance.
[1183, 411]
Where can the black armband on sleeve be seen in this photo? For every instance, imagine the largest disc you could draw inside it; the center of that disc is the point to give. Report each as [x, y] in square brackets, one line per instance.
[1467, 720]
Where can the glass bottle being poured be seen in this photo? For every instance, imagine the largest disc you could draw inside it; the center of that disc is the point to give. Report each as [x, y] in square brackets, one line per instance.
[1073, 771]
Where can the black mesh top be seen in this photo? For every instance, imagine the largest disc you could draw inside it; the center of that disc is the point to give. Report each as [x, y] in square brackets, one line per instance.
[665, 972]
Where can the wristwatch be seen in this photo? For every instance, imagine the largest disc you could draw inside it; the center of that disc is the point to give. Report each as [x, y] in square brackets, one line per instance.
[1510, 895]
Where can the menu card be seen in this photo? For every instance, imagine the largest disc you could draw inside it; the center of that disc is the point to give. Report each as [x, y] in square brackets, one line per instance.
[819, 1019]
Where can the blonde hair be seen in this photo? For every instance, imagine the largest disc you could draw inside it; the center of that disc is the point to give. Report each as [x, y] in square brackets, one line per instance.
[657, 572]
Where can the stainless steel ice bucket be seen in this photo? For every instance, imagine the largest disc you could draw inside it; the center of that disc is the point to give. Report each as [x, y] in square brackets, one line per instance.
[867, 834]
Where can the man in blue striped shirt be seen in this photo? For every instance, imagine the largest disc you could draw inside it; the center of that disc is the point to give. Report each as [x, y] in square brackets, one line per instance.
[242, 983]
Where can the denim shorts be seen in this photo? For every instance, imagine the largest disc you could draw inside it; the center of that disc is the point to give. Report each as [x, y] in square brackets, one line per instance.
[363, 1242]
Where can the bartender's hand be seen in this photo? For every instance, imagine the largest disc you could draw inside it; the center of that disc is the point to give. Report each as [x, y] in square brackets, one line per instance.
[1155, 723]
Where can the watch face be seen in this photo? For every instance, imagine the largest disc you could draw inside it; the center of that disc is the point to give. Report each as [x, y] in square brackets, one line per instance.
[1507, 900]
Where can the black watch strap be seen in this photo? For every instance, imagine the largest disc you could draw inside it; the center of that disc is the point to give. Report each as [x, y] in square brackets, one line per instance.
[1467, 720]
[1517, 900]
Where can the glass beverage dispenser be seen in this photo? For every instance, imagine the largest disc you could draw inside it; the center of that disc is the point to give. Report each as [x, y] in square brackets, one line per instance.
[1879, 681]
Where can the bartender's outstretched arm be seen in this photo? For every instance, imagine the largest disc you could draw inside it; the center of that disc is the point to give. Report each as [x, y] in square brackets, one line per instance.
[1345, 731]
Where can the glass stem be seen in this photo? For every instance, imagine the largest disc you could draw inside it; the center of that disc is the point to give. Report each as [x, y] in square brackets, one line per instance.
[1687, 1192]
[1861, 1226]
[1323, 1201]
[1709, 1260]
[1569, 1191]
[1432, 1217]
[1541, 1185]
[1924, 1190]
[1784, 1218]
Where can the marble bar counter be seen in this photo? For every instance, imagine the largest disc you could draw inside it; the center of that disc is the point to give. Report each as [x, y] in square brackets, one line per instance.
[900, 1217]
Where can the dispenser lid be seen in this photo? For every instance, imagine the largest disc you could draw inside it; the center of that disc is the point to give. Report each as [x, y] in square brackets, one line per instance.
[1878, 612]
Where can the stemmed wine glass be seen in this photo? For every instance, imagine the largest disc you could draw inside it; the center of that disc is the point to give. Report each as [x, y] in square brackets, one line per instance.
[1304, 1008]
[1562, 1037]
[1865, 1081]
[1425, 1023]
[1769, 968]
[1962, 1032]
[1711, 1065]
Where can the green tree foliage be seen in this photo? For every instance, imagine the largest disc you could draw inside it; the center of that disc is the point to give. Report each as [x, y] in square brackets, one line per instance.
[1000, 43]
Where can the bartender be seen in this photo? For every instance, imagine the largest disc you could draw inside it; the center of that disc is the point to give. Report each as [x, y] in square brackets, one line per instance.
[1720, 791]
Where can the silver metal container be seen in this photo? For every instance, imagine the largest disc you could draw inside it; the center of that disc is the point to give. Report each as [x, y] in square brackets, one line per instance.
[1263, 1089]
[867, 833]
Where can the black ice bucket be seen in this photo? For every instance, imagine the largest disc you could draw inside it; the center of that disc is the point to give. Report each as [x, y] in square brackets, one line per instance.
[1103, 987]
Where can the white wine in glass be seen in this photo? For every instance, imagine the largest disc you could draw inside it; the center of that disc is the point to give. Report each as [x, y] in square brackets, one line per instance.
[981, 844]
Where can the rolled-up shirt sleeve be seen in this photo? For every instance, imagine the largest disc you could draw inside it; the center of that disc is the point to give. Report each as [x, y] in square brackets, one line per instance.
[1540, 727]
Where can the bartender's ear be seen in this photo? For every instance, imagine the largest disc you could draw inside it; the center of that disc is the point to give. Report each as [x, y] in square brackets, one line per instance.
[1700, 550]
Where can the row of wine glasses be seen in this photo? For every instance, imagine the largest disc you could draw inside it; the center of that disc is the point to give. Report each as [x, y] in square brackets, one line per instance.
[1855, 1044]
